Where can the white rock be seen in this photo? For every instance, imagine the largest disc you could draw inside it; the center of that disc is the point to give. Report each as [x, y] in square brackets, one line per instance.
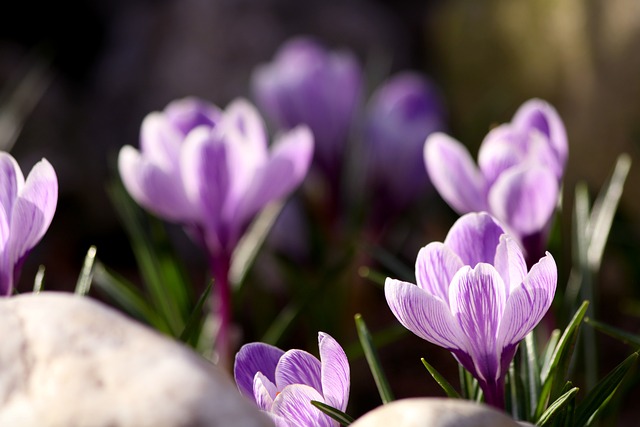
[434, 412]
[70, 361]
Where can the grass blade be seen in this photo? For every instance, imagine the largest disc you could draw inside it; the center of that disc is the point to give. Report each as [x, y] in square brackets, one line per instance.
[619, 334]
[373, 360]
[597, 398]
[531, 372]
[38, 281]
[556, 407]
[334, 413]
[86, 275]
[446, 386]
[193, 328]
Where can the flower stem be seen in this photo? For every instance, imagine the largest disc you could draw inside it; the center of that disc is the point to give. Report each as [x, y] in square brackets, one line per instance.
[222, 306]
[494, 393]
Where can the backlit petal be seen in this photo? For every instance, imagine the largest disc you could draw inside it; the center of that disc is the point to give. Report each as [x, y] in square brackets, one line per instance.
[454, 174]
[477, 301]
[264, 391]
[510, 262]
[474, 238]
[299, 367]
[335, 372]
[423, 314]
[253, 358]
[294, 404]
[435, 267]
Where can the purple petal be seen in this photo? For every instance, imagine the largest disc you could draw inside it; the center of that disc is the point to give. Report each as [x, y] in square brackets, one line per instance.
[280, 421]
[474, 238]
[294, 404]
[423, 314]
[435, 267]
[11, 182]
[160, 142]
[529, 302]
[158, 190]
[510, 262]
[299, 367]
[242, 123]
[500, 150]
[188, 113]
[285, 170]
[253, 358]
[477, 301]
[524, 198]
[454, 174]
[541, 115]
[335, 372]
[264, 391]
[33, 210]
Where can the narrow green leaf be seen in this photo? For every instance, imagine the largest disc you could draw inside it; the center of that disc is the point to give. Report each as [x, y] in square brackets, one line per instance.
[84, 280]
[38, 281]
[557, 406]
[193, 328]
[597, 398]
[334, 413]
[380, 339]
[619, 334]
[549, 350]
[372, 275]
[372, 359]
[554, 377]
[391, 263]
[126, 296]
[531, 372]
[446, 386]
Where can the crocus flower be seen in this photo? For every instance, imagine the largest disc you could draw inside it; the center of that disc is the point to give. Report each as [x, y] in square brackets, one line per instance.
[211, 170]
[284, 384]
[518, 179]
[306, 84]
[475, 298]
[27, 210]
[399, 117]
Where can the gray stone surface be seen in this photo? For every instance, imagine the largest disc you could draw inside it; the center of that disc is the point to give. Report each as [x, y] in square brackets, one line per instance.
[434, 412]
[70, 361]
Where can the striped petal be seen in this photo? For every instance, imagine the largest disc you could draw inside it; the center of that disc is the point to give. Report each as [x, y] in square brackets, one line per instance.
[335, 372]
[474, 238]
[454, 174]
[251, 359]
[423, 314]
[510, 263]
[294, 405]
[264, 391]
[435, 267]
[477, 301]
[299, 367]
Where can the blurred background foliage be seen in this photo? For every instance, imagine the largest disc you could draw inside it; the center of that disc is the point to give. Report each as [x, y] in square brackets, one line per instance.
[77, 79]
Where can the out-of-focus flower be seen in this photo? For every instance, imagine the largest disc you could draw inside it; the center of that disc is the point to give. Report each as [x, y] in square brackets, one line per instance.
[475, 298]
[284, 384]
[27, 210]
[399, 117]
[306, 84]
[520, 168]
[213, 172]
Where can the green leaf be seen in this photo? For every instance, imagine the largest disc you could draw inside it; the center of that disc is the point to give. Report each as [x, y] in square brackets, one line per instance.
[84, 280]
[597, 398]
[554, 376]
[334, 413]
[373, 360]
[531, 372]
[619, 334]
[193, 328]
[549, 350]
[393, 264]
[446, 386]
[127, 296]
[557, 406]
[372, 275]
[38, 281]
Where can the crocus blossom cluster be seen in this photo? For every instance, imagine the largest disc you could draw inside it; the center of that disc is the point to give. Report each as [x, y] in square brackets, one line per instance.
[475, 298]
[27, 210]
[306, 84]
[520, 166]
[211, 170]
[283, 384]
[400, 115]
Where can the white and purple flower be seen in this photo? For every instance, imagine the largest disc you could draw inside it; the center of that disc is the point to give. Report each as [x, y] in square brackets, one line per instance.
[517, 180]
[475, 298]
[27, 210]
[283, 384]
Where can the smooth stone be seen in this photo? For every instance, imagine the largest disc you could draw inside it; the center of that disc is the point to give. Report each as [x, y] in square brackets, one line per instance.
[434, 412]
[71, 361]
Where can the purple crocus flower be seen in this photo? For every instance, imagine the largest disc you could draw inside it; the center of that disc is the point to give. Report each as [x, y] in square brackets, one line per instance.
[211, 170]
[518, 179]
[27, 210]
[399, 117]
[475, 298]
[306, 84]
[284, 384]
